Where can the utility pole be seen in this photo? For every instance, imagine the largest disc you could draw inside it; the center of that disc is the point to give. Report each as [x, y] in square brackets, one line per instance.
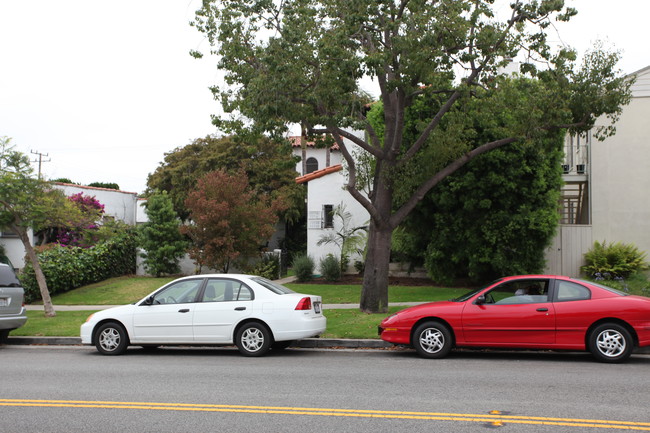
[40, 160]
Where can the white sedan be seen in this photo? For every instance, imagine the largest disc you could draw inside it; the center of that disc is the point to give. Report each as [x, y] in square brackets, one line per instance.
[254, 313]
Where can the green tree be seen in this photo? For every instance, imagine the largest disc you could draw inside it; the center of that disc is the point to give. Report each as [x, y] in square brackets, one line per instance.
[268, 165]
[107, 185]
[494, 216]
[302, 61]
[228, 221]
[27, 203]
[160, 237]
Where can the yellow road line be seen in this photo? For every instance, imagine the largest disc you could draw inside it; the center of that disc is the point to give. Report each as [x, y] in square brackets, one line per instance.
[494, 419]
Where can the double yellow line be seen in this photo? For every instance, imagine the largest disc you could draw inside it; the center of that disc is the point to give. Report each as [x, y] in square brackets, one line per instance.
[494, 418]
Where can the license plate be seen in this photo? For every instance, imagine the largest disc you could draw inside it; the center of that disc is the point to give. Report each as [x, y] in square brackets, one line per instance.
[4, 302]
[317, 307]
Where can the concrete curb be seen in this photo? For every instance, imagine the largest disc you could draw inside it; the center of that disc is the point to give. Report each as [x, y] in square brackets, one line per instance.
[306, 343]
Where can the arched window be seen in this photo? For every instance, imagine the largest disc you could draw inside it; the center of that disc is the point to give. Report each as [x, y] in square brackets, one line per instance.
[311, 164]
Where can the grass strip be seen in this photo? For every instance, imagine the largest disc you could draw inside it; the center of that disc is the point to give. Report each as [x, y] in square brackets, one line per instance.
[341, 323]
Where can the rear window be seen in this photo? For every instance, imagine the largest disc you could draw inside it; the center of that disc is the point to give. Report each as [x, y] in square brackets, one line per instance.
[8, 277]
[602, 286]
[276, 288]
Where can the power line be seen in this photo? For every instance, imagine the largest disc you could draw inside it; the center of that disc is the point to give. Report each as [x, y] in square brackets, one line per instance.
[40, 160]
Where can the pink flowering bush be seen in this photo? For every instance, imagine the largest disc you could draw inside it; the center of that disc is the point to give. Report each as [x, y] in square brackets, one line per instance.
[82, 235]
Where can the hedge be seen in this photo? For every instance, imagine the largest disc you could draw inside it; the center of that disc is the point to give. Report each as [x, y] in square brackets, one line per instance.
[68, 268]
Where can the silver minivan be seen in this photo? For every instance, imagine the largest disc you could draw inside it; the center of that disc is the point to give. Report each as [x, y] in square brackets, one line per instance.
[12, 307]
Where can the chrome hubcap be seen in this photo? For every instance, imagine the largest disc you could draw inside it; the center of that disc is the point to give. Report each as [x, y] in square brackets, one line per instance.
[611, 343]
[432, 340]
[252, 339]
[109, 339]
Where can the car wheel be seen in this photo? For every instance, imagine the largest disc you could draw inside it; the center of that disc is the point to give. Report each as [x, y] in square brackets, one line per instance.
[432, 340]
[253, 339]
[111, 339]
[610, 342]
[281, 345]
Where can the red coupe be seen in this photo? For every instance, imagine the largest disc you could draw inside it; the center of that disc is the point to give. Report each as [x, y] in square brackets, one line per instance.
[530, 312]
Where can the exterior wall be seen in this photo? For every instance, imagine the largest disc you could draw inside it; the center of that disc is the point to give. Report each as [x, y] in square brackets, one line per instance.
[120, 205]
[328, 190]
[621, 179]
[565, 255]
[14, 249]
[319, 154]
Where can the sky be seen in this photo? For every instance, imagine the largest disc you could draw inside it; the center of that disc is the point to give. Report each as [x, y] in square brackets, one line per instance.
[102, 90]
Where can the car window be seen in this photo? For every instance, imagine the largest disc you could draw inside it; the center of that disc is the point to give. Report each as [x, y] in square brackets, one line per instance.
[180, 292]
[225, 290]
[568, 291]
[8, 277]
[276, 288]
[518, 292]
[602, 286]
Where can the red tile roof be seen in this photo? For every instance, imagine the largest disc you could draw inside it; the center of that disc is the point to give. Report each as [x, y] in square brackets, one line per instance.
[319, 173]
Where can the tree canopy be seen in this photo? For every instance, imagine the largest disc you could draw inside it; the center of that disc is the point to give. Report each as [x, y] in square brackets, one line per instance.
[160, 236]
[268, 165]
[26, 202]
[228, 221]
[302, 61]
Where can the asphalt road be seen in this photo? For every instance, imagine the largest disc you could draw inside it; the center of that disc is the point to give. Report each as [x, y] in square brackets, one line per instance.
[74, 389]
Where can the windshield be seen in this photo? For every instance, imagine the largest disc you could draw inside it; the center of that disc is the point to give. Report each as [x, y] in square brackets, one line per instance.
[276, 288]
[468, 295]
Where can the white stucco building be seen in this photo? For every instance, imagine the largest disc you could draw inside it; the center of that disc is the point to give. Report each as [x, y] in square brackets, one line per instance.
[607, 184]
[323, 174]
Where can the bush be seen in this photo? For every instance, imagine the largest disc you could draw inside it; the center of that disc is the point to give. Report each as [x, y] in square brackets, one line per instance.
[330, 268]
[303, 266]
[68, 268]
[268, 267]
[617, 260]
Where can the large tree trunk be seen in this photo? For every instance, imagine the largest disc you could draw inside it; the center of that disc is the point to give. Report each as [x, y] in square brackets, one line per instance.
[374, 293]
[38, 272]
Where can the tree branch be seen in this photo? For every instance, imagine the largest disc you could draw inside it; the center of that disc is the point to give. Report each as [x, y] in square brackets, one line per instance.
[399, 216]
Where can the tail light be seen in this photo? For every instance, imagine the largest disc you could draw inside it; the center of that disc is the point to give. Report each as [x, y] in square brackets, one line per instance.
[304, 304]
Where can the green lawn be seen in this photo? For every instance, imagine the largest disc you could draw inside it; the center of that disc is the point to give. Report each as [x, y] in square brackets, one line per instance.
[341, 323]
[114, 291]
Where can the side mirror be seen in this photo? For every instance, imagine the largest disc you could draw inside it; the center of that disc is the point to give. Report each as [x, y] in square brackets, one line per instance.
[148, 301]
[480, 300]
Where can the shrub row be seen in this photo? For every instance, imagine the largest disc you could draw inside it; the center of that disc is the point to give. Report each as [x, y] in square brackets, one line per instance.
[67, 268]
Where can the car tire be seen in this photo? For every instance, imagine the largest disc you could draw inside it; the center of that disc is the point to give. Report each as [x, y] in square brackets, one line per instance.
[253, 339]
[4, 335]
[432, 340]
[111, 339]
[610, 342]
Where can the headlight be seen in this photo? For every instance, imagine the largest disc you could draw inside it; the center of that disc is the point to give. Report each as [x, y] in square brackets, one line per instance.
[90, 317]
[390, 318]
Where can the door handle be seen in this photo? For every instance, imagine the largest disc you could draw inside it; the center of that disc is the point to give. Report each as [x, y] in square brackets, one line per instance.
[542, 309]
[184, 310]
[240, 308]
